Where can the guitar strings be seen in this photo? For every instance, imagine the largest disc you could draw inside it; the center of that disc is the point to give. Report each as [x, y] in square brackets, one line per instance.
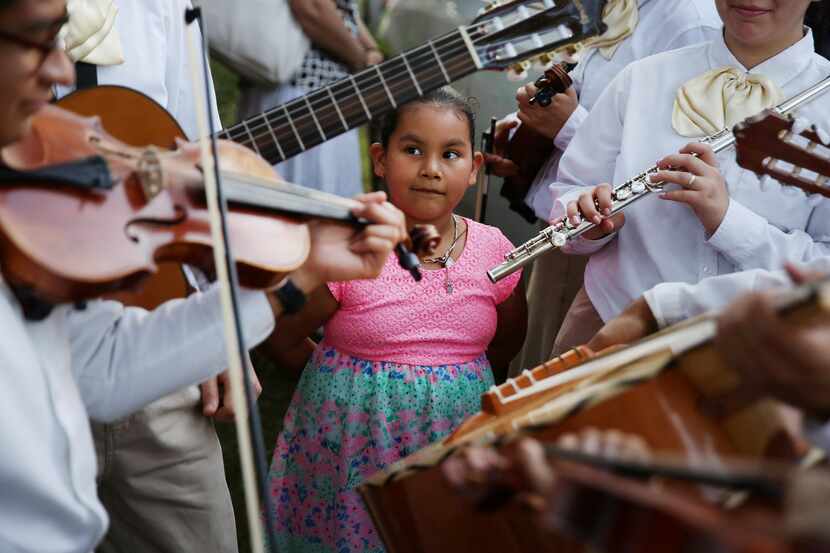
[372, 90]
[308, 128]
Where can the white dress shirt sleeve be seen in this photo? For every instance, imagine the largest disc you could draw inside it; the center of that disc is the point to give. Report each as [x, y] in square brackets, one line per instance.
[672, 302]
[126, 357]
[566, 133]
[818, 432]
[591, 156]
[749, 241]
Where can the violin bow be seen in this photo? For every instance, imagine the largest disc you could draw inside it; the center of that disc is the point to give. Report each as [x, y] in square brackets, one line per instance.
[483, 189]
[246, 415]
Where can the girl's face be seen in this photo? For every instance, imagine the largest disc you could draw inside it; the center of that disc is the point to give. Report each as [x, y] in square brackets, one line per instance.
[762, 23]
[429, 162]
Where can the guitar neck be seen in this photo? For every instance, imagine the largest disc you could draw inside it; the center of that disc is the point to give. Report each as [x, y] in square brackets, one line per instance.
[289, 129]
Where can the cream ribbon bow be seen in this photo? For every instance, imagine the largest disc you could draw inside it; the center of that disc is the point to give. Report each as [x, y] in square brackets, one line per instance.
[90, 35]
[621, 17]
[719, 99]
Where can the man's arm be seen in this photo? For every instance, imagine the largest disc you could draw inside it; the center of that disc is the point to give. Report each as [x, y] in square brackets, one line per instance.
[124, 358]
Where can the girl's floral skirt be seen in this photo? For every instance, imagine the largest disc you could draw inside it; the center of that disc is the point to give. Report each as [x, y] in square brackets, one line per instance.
[348, 419]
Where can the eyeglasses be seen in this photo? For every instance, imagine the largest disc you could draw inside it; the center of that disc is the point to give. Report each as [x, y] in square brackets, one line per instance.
[44, 47]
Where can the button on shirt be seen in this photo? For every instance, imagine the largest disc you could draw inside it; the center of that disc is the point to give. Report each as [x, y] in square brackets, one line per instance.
[102, 362]
[629, 128]
[663, 25]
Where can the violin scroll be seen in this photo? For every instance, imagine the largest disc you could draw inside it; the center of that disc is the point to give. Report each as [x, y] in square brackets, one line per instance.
[554, 81]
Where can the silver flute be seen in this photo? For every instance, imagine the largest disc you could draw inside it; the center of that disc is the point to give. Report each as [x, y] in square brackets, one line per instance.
[562, 231]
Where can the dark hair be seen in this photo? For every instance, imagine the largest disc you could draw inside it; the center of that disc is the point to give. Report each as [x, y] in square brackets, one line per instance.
[446, 96]
[818, 19]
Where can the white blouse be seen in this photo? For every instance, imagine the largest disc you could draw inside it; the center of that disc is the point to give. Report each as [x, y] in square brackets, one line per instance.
[663, 25]
[629, 129]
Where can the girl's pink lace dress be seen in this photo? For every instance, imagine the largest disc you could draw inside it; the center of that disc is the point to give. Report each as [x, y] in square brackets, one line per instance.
[402, 363]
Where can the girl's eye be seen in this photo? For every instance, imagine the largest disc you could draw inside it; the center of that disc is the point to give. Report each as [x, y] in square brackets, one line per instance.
[451, 154]
[412, 150]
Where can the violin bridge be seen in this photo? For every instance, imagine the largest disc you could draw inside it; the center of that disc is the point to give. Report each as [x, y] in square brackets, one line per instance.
[150, 174]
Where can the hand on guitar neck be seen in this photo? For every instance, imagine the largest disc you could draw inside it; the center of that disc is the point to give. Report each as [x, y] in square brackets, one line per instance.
[788, 361]
[490, 477]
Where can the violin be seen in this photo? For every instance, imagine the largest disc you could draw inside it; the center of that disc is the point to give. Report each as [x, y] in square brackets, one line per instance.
[134, 207]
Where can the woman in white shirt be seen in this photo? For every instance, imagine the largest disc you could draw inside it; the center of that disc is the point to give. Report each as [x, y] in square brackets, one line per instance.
[719, 219]
[639, 29]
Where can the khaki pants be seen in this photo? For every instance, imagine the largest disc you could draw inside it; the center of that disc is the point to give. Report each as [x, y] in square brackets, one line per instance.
[580, 325]
[555, 278]
[162, 479]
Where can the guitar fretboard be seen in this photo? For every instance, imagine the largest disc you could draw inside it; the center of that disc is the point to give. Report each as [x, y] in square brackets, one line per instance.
[291, 128]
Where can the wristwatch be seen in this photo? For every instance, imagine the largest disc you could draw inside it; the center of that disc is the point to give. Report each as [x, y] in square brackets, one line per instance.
[292, 298]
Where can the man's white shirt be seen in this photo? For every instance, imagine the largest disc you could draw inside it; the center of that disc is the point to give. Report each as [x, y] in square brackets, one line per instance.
[663, 25]
[156, 62]
[629, 129]
[102, 362]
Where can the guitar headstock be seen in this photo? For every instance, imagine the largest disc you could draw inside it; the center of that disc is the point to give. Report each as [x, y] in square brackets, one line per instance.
[767, 145]
[507, 33]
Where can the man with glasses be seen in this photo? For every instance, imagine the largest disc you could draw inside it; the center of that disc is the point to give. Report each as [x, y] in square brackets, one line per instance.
[170, 446]
[104, 361]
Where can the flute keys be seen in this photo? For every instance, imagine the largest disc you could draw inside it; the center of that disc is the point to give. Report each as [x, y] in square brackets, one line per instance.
[622, 193]
[558, 239]
[638, 187]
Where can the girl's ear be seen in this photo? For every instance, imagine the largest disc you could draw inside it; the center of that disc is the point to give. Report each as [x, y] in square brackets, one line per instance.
[378, 155]
[478, 159]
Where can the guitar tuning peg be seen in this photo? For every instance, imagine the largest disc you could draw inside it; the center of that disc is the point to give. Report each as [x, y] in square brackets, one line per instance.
[490, 6]
[823, 135]
[800, 125]
[518, 71]
[542, 62]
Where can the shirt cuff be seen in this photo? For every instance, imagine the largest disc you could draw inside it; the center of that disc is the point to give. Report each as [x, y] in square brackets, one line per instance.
[568, 130]
[584, 246]
[257, 316]
[560, 202]
[738, 233]
[665, 304]
[818, 432]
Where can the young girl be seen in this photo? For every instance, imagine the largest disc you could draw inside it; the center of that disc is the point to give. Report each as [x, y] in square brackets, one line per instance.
[402, 362]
